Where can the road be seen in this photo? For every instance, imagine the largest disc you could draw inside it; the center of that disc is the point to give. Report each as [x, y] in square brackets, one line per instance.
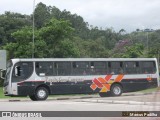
[122, 103]
[74, 106]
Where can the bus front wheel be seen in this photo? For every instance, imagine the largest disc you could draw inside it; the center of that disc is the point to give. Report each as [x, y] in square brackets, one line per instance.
[116, 90]
[41, 93]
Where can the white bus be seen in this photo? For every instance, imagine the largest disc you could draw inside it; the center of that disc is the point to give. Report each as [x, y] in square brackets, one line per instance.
[38, 78]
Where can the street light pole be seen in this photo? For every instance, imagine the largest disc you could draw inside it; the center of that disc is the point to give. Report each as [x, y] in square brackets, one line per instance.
[147, 44]
[33, 45]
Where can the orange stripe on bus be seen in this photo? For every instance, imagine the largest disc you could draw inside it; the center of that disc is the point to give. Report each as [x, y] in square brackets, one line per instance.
[102, 80]
[108, 77]
[107, 86]
[118, 78]
[149, 78]
[93, 86]
[99, 85]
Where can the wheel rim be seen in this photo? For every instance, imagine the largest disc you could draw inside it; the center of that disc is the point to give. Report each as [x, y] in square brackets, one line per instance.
[41, 94]
[117, 90]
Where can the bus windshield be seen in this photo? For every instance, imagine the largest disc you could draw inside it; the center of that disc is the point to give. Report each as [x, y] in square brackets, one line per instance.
[21, 71]
[8, 73]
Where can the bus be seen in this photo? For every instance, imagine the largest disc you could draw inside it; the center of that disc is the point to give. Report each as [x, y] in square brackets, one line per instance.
[40, 77]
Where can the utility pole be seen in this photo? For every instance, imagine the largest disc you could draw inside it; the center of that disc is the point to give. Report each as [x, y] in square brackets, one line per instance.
[158, 58]
[33, 45]
[147, 45]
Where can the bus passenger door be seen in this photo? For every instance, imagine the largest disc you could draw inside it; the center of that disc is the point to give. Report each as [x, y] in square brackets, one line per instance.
[21, 72]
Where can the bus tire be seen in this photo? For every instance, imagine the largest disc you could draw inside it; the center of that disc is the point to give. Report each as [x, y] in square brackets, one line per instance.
[116, 90]
[32, 97]
[41, 93]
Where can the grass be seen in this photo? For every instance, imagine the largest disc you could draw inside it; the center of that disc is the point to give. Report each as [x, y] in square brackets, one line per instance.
[2, 96]
[150, 90]
[1, 93]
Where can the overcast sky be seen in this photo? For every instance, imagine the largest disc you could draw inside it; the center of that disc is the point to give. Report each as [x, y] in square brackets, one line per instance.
[126, 14]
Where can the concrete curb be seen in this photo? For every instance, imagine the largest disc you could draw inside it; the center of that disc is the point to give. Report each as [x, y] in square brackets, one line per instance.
[137, 94]
[122, 102]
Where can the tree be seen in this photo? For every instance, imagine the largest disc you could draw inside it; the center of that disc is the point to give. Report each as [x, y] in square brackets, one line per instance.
[137, 30]
[22, 47]
[41, 15]
[9, 23]
[62, 34]
[134, 51]
[154, 44]
[55, 12]
[122, 31]
[54, 33]
[66, 49]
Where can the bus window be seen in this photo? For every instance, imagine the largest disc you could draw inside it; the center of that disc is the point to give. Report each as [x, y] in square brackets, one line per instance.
[63, 68]
[92, 69]
[22, 71]
[148, 67]
[115, 67]
[99, 68]
[131, 67]
[80, 68]
[44, 68]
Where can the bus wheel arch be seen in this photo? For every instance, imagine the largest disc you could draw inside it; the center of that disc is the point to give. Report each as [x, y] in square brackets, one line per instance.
[45, 86]
[116, 89]
[41, 93]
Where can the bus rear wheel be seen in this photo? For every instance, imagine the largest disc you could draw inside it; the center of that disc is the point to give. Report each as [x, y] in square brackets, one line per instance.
[41, 93]
[116, 90]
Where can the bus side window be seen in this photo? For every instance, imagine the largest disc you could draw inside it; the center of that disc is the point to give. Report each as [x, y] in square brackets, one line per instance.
[115, 67]
[44, 68]
[63, 68]
[92, 69]
[100, 67]
[110, 70]
[148, 67]
[131, 67]
[121, 68]
[80, 68]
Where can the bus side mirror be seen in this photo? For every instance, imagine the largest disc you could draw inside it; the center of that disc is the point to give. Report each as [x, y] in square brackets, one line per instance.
[3, 73]
[17, 71]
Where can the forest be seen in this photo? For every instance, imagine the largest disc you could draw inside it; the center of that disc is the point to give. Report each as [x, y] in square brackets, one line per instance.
[60, 34]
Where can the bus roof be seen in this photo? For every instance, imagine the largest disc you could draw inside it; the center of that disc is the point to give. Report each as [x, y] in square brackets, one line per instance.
[84, 59]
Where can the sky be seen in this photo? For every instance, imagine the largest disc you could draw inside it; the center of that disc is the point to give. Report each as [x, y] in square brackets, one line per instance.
[117, 14]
